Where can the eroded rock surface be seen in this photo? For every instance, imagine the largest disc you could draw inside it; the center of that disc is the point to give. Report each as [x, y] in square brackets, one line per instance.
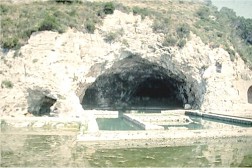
[55, 71]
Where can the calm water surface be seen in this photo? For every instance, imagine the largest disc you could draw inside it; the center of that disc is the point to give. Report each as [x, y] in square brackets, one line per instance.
[121, 124]
[63, 151]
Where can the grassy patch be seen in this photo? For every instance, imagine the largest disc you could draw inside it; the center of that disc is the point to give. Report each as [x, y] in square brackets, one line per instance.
[7, 84]
[109, 8]
[175, 19]
[19, 21]
[161, 25]
[141, 11]
[3, 125]
[183, 30]
[113, 36]
[169, 41]
[50, 22]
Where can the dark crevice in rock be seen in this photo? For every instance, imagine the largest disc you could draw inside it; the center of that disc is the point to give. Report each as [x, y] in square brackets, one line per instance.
[136, 82]
[46, 103]
[250, 95]
[40, 102]
[218, 67]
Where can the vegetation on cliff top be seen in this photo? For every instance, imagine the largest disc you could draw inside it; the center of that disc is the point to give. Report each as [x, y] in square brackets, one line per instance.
[175, 19]
[19, 21]
[224, 29]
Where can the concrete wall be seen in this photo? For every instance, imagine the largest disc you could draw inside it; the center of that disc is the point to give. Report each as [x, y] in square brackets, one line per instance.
[250, 95]
[242, 88]
[242, 108]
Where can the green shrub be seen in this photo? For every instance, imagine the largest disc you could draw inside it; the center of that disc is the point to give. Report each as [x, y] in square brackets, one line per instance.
[19, 21]
[4, 126]
[231, 54]
[7, 22]
[227, 14]
[181, 43]
[3, 9]
[141, 11]
[113, 36]
[7, 84]
[230, 51]
[219, 34]
[244, 29]
[203, 13]
[28, 33]
[169, 41]
[10, 42]
[50, 23]
[110, 37]
[101, 14]
[109, 8]
[122, 8]
[72, 13]
[67, 1]
[90, 26]
[63, 1]
[183, 31]
[161, 25]
[227, 30]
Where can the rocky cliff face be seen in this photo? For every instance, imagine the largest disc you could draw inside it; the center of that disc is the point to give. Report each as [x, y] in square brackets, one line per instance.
[123, 60]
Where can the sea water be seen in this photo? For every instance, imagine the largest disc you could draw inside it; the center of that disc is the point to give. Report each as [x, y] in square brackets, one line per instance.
[19, 150]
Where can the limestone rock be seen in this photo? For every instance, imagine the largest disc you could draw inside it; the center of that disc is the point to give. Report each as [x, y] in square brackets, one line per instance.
[53, 71]
[187, 106]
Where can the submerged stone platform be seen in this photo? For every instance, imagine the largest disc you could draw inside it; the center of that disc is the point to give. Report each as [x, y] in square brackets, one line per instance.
[154, 121]
[151, 138]
[154, 135]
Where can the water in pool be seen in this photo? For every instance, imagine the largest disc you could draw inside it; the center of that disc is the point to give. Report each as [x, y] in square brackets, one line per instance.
[62, 151]
[116, 124]
[121, 124]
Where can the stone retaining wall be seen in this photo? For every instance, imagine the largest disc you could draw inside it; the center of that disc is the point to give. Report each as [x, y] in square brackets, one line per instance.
[232, 119]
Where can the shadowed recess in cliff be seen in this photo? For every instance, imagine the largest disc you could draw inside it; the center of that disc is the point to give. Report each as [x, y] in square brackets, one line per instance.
[40, 101]
[250, 95]
[134, 83]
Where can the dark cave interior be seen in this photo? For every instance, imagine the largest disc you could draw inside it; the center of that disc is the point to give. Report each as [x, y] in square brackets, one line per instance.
[135, 83]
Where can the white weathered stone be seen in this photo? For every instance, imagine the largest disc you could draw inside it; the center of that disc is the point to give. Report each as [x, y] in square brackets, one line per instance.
[66, 64]
[187, 106]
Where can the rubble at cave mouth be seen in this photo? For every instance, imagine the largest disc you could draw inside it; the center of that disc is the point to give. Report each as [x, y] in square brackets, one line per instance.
[135, 82]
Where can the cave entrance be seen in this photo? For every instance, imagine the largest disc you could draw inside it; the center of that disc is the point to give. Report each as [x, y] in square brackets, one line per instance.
[250, 95]
[135, 83]
[155, 92]
[40, 102]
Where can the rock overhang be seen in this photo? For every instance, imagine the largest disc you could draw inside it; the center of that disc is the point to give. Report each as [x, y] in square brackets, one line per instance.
[136, 81]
